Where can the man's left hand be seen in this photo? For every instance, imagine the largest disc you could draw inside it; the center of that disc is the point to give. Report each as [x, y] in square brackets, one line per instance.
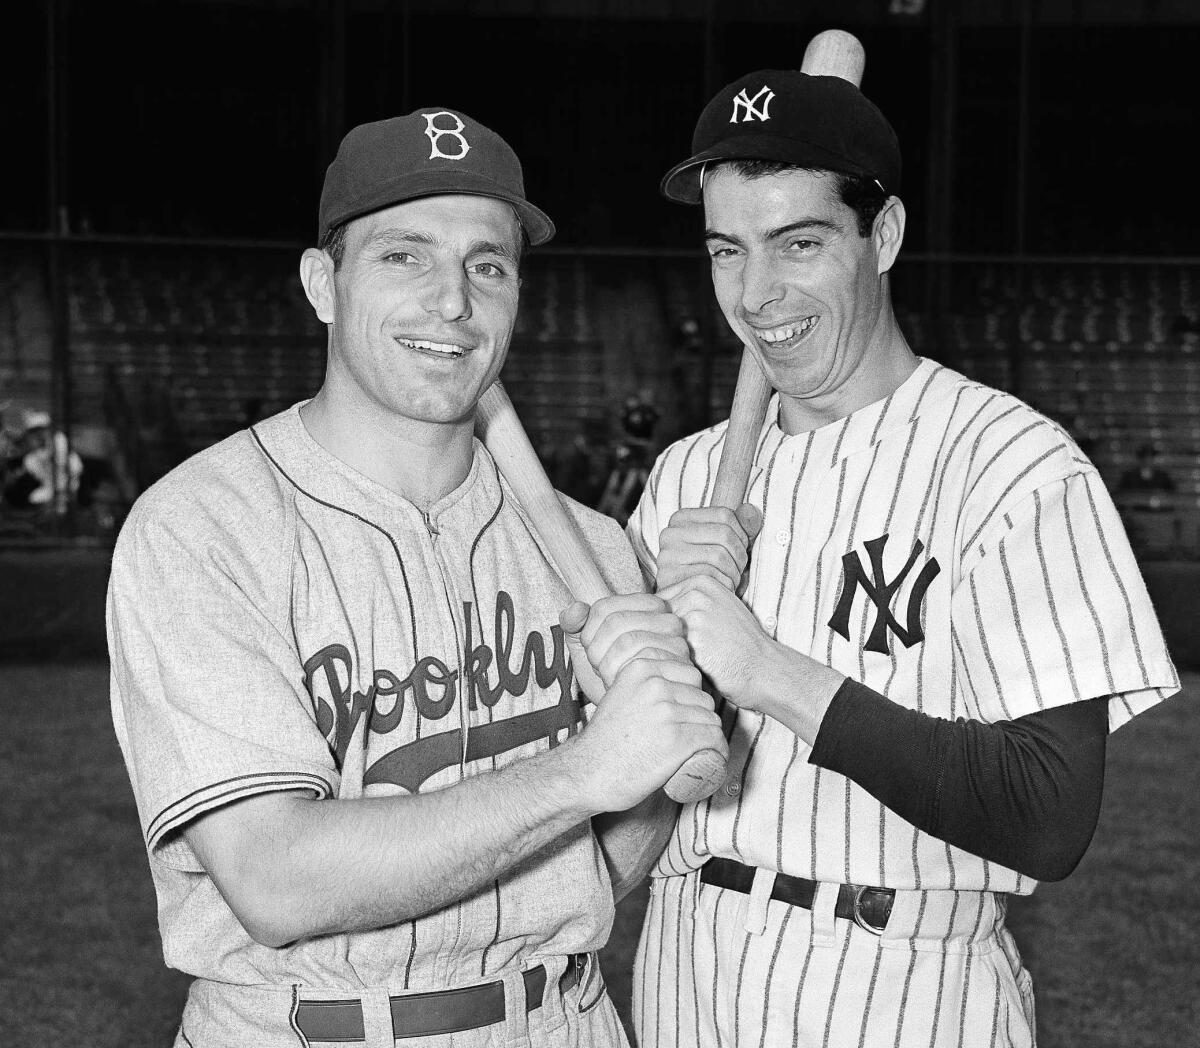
[726, 640]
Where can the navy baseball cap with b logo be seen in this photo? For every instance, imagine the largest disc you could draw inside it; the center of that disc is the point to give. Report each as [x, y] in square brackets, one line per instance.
[426, 153]
[787, 116]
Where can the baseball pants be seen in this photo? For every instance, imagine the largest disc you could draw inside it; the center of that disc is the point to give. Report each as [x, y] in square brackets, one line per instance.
[224, 1016]
[718, 968]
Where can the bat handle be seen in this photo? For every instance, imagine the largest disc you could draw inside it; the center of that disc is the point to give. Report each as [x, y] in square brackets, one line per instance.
[703, 772]
[698, 777]
[831, 53]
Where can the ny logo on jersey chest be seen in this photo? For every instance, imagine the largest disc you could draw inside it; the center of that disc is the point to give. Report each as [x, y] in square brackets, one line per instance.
[879, 591]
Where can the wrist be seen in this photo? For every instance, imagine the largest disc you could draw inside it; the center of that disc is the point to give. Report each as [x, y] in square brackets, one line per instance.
[767, 684]
[796, 690]
[569, 774]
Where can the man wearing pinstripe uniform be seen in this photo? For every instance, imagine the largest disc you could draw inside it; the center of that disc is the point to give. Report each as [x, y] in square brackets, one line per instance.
[923, 624]
[374, 807]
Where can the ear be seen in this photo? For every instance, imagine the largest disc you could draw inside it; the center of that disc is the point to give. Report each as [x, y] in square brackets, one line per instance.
[316, 277]
[888, 233]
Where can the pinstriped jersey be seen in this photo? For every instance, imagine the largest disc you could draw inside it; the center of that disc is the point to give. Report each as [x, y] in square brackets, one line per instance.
[948, 547]
[278, 621]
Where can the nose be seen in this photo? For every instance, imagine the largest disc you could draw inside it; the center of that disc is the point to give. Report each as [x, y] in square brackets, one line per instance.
[761, 285]
[449, 293]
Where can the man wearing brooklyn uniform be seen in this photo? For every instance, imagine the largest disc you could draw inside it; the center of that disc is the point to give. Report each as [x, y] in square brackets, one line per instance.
[373, 809]
[923, 624]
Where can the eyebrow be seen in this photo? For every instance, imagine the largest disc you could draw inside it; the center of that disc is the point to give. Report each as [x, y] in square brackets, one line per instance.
[804, 225]
[388, 237]
[490, 247]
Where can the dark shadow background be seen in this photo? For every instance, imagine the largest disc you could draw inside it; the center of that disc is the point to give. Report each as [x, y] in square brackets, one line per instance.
[1029, 125]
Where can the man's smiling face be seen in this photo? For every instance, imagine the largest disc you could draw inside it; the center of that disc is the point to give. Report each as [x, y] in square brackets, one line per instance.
[423, 306]
[796, 281]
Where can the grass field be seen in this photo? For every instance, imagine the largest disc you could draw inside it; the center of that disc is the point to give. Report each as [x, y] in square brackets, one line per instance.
[1114, 950]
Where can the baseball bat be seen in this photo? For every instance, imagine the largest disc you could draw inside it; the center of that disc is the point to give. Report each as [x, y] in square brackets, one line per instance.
[500, 429]
[833, 52]
[830, 53]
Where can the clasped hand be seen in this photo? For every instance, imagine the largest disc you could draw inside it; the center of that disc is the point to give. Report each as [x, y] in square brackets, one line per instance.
[703, 558]
[631, 658]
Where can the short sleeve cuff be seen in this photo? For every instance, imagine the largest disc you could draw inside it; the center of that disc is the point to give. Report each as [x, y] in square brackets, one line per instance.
[165, 843]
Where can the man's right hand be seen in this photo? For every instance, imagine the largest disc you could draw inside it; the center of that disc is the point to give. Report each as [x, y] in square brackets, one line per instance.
[653, 715]
[707, 540]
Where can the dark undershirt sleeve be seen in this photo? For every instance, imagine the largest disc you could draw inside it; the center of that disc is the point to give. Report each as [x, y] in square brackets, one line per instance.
[1024, 793]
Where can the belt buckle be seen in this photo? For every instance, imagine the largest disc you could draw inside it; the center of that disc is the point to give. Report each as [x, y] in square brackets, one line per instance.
[860, 895]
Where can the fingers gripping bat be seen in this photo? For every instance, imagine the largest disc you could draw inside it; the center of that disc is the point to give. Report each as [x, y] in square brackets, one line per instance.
[501, 431]
[831, 53]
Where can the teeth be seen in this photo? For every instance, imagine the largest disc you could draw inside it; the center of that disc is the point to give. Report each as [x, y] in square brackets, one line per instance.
[436, 347]
[778, 335]
[781, 334]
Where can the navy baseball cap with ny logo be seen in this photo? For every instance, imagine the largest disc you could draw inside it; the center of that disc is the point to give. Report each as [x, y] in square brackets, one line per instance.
[784, 115]
[426, 153]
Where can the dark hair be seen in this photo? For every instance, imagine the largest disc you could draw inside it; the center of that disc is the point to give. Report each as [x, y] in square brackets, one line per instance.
[333, 242]
[864, 196]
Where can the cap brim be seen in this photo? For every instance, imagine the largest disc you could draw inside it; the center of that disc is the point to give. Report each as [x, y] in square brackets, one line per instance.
[682, 182]
[535, 222]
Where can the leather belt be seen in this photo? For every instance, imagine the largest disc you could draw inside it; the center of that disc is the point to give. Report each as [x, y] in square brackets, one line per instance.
[429, 1014]
[867, 907]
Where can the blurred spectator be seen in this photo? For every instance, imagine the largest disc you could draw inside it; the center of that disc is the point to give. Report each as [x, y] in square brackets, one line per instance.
[1145, 499]
[690, 375]
[632, 459]
[688, 336]
[44, 471]
[579, 470]
[1147, 485]
[1076, 423]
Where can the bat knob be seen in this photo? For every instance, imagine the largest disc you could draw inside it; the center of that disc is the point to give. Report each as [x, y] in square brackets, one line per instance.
[698, 777]
[574, 617]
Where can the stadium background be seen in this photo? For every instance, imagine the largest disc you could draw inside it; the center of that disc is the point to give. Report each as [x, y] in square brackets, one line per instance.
[162, 167]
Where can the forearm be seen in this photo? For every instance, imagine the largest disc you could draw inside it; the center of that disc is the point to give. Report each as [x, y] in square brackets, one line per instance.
[790, 687]
[632, 841]
[284, 868]
[290, 867]
[1024, 793]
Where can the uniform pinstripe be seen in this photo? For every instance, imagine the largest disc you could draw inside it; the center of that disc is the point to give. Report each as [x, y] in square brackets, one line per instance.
[278, 621]
[1005, 585]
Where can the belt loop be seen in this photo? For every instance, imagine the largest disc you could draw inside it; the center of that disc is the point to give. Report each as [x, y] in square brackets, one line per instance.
[553, 1015]
[824, 906]
[377, 1019]
[760, 898]
[691, 885]
[516, 1018]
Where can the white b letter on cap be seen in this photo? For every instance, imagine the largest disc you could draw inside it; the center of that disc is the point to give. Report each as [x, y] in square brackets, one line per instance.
[434, 133]
[742, 101]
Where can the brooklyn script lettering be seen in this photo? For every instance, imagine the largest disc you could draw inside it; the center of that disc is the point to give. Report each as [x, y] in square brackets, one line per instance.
[433, 688]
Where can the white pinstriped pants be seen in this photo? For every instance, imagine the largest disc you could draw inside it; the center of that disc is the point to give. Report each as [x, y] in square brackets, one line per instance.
[945, 973]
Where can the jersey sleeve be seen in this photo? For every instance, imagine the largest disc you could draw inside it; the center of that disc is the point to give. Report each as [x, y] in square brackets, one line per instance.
[1054, 610]
[208, 699]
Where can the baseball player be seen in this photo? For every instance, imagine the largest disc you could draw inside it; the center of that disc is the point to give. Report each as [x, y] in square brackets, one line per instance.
[923, 624]
[373, 809]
